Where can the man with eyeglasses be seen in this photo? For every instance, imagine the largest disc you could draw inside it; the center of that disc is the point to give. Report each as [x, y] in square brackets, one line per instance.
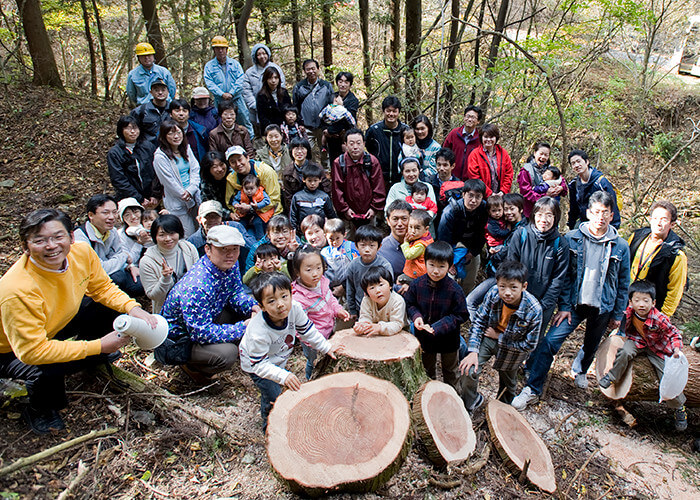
[100, 234]
[599, 275]
[57, 290]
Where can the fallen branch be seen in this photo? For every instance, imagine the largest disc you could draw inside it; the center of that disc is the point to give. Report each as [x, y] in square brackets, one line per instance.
[444, 485]
[82, 472]
[478, 464]
[581, 469]
[563, 421]
[42, 455]
[523, 475]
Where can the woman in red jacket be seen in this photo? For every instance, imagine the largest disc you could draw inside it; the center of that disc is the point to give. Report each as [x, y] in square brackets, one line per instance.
[491, 163]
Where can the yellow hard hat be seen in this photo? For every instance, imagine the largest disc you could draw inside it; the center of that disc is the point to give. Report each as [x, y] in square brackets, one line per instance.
[144, 49]
[219, 41]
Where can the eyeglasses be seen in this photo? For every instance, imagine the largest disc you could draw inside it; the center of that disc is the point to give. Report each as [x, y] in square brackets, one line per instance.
[42, 242]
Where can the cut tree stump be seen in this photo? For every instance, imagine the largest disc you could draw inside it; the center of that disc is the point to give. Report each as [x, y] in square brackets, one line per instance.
[442, 423]
[395, 358]
[517, 444]
[644, 385]
[604, 359]
[342, 432]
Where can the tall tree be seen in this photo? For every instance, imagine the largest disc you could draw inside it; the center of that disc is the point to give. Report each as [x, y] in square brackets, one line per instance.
[242, 34]
[91, 48]
[43, 61]
[395, 44]
[327, 38]
[366, 61]
[155, 37]
[493, 53]
[414, 15]
[103, 48]
[296, 39]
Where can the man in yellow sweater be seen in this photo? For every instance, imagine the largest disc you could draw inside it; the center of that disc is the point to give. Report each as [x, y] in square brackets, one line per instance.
[55, 291]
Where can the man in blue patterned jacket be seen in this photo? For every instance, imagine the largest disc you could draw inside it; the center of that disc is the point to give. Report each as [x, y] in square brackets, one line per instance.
[207, 310]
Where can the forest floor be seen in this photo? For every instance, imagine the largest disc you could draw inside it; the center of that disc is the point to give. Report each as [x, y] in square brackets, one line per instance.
[52, 153]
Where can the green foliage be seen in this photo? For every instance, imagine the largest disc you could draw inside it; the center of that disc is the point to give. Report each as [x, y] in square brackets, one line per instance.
[9, 495]
[667, 143]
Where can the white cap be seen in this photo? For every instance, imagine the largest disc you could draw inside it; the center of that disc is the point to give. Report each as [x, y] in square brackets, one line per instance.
[224, 236]
[200, 92]
[210, 207]
[235, 150]
[128, 203]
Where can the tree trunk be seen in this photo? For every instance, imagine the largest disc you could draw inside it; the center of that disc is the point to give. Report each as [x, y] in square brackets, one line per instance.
[91, 48]
[265, 19]
[43, 61]
[366, 61]
[344, 432]
[242, 34]
[493, 53]
[442, 423]
[296, 39]
[155, 37]
[327, 39]
[395, 358]
[103, 49]
[477, 49]
[413, 49]
[130, 33]
[395, 43]
[518, 444]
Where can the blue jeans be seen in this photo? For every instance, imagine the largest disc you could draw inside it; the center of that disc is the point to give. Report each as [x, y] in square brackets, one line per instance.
[541, 359]
[269, 391]
[255, 226]
[310, 354]
[476, 296]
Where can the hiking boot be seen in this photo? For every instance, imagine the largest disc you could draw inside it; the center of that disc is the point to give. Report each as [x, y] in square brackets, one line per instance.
[581, 381]
[606, 381]
[43, 421]
[477, 404]
[681, 419]
[526, 397]
[195, 376]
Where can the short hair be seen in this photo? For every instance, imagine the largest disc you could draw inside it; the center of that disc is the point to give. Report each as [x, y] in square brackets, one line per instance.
[666, 205]
[225, 104]
[495, 200]
[300, 142]
[301, 253]
[398, 205]
[348, 76]
[179, 104]
[440, 251]
[208, 161]
[408, 160]
[97, 201]
[368, 233]
[491, 130]
[354, 131]
[514, 199]
[476, 185]
[419, 187]
[266, 250]
[602, 197]
[391, 101]
[555, 171]
[335, 226]
[307, 61]
[512, 270]
[272, 127]
[426, 121]
[310, 221]
[447, 154]
[312, 170]
[407, 130]
[150, 213]
[123, 122]
[422, 217]
[279, 222]
[250, 179]
[290, 107]
[276, 280]
[578, 152]
[475, 109]
[31, 224]
[547, 202]
[642, 286]
[374, 275]
[170, 224]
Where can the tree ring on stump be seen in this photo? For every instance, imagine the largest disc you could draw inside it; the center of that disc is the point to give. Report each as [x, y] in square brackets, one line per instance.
[604, 360]
[443, 424]
[386, 348]
[342, 432]
[517, 442]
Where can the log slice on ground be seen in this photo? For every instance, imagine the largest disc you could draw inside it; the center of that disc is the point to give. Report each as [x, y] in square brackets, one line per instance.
[442, 423]
[604, 359]
[342, 432]
[517, 443]
[396, 358]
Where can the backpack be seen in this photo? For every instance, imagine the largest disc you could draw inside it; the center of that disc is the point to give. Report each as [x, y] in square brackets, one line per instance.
[523, 237]
[366, 163]
[618, 195]
[450, 190]
[83, 228]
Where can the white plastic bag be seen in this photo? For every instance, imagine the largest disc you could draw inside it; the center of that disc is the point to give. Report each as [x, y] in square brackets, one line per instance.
[675, 377]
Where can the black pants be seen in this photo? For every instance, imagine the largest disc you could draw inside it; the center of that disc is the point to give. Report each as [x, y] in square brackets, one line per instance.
[126, 283]
[46, 383]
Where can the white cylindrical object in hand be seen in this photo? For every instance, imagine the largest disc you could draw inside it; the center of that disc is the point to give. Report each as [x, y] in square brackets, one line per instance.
[145, 336]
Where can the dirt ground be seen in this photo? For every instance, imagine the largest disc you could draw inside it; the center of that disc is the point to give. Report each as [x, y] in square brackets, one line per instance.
[52, 154]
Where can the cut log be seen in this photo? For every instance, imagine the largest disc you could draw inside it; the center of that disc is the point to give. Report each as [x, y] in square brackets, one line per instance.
[442, 424]
[517, 443]
[604, 359]
[644, 384]
[342, 432]
[395, 358]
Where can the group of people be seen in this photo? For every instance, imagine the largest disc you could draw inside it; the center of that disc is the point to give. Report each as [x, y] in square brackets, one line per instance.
[244, 250]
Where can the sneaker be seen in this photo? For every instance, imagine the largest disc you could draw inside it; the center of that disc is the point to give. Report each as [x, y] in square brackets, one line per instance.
[527, 396]
[606, 381]
[43, 421]
[581, 381]
[681, 419]
[477, 404]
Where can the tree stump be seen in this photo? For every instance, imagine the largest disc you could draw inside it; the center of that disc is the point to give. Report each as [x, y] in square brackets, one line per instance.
[442, 423]
[644, 385]
[342, 432]
[604, 359]
[517, 444]
[395, 358]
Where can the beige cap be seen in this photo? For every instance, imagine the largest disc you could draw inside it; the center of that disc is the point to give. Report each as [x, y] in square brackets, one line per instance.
[210, 207]
[235, 150]
[224, 236]
[128, 203]
[200, 92]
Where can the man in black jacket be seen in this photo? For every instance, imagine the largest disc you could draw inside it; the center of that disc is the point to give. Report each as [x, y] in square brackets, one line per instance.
[383, 140]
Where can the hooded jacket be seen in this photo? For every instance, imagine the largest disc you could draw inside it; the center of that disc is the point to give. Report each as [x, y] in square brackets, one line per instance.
[131, 173]
[385, 144]
[354, 189]
[530, 175]
[580, 193]
[478, 168]
[207, 117]
[253, 80]
[459, 226]
[311, 99]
